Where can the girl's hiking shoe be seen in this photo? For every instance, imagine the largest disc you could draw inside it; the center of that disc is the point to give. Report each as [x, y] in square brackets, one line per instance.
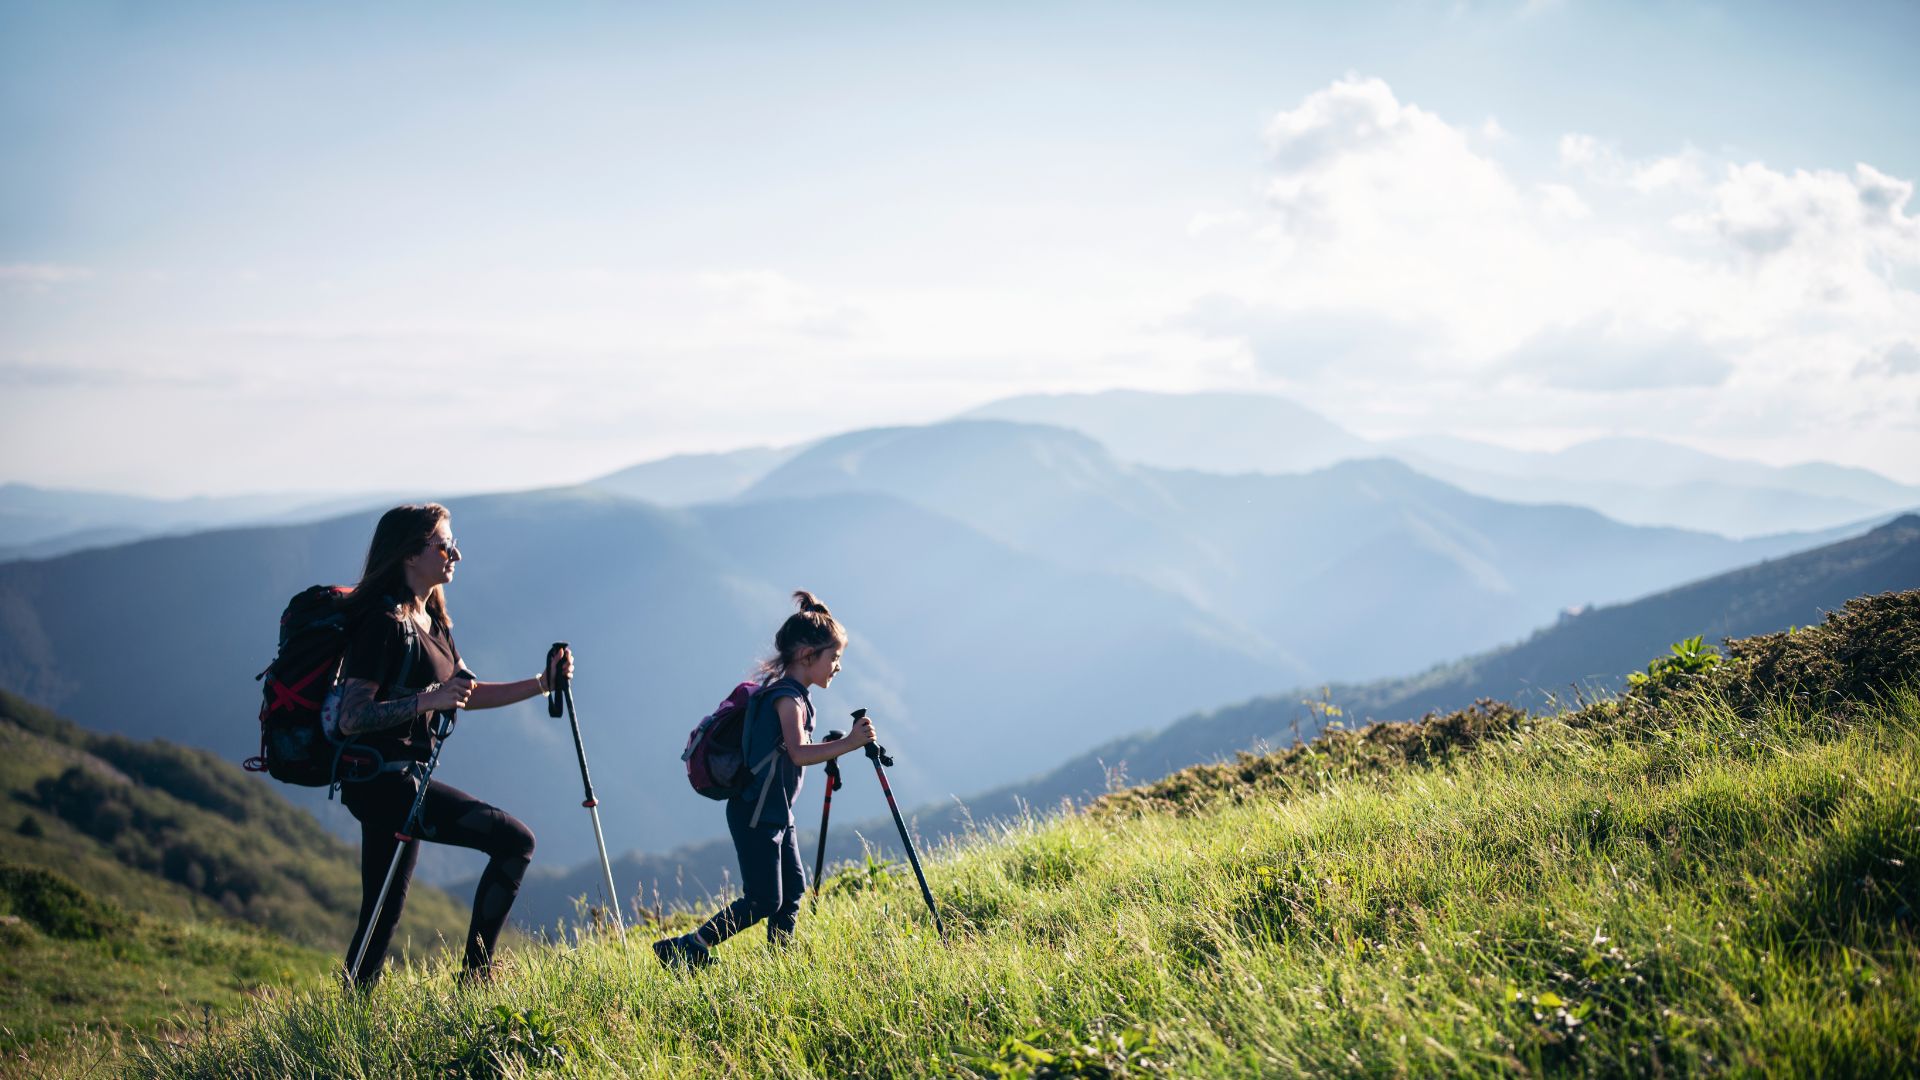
[686, 951]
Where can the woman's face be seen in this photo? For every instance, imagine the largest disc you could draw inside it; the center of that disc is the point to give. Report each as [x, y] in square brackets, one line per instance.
[434, 564]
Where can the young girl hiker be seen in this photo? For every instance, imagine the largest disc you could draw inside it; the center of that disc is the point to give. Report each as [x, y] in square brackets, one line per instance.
[401, 667]
[806, 654]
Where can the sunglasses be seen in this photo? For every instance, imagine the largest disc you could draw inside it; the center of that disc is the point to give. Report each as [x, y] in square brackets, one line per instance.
[450, 544]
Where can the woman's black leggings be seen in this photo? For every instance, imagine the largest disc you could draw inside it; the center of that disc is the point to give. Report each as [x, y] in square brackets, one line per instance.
[449, 816]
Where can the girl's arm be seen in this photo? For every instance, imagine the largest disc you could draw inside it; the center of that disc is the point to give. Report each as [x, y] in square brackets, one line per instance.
[492, 695]
[804, 753]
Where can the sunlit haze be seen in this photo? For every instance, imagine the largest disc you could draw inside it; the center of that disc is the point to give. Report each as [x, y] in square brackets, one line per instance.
[342, 247]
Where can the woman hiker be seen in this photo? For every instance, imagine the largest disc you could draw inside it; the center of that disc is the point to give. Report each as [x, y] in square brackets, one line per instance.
[401, 668]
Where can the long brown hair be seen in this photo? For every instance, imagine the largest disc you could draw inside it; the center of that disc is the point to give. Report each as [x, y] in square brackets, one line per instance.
[812, 627]
[403, 532]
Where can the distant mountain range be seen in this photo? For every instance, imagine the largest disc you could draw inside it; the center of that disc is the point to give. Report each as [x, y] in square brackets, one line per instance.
[1358, 570]
[1632, 480]
[38, 523]
[1581, 654]
[685, 479]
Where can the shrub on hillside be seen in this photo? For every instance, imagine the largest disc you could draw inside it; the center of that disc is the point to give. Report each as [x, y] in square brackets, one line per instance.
[148, 838]
[1859, 653]
[1335, 755]
[55, 905]
[192, 776]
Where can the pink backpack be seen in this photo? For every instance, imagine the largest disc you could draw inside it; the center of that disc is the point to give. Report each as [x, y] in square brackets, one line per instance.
[716, 764]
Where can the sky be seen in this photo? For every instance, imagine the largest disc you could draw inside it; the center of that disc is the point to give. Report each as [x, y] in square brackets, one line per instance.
[276, 246]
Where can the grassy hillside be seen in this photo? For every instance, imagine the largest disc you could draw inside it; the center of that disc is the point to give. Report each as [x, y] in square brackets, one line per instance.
[143, 879]
[1717, 872]
[77, 973]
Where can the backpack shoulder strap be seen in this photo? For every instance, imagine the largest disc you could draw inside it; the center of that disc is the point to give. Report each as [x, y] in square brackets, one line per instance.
[410, 644]
[765, 786]
[769, 695]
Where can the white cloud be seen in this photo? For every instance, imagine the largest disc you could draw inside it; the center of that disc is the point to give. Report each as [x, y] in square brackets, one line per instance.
[1686, 169]
[1897, 359]
[1601, 355]
[1209, 221]
[1561, 201]
[779, 302]
[42, 273]
[1412, 268]
[1579, 151]
[1830, 216]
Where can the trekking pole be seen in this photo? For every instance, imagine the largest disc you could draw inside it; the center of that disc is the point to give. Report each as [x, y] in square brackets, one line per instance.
[878, 755]
[826, 807]
[563, 690]
[442, 729]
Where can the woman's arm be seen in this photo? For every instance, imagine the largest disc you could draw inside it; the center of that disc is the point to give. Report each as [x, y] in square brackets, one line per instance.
[804, 753]
[360, 713]
[492, 695]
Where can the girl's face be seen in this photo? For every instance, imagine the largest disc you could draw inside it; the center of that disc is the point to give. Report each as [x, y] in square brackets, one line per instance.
[434, 564]
[819, 668]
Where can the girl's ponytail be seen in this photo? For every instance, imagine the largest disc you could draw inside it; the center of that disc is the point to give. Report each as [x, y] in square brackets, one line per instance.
[807, 630]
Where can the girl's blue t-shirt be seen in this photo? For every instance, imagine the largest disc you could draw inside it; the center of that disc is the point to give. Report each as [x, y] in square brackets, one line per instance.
[762, 735]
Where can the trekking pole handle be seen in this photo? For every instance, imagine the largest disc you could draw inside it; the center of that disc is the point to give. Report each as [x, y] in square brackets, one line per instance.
[875, 751]
[557, 687]
[442, 723]
[833, 764]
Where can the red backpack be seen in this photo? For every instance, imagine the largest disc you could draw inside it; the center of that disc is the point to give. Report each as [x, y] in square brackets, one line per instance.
[294, 745]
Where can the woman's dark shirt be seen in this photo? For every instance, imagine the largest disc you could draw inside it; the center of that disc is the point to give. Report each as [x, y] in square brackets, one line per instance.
[376, 654]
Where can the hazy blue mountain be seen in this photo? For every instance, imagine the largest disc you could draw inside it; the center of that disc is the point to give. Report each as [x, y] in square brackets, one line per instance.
[79, 540]
[40, 522]
[984, 663]
[1585, 653]
[1705, 505]
[1592, 651]
[1216, 432]
[685, 479]
[1633, 480]
[1360, 570]
[1648, 481]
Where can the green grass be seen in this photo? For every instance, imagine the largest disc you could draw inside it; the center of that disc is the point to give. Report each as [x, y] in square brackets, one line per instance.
[1727, 890]
[69, 1001]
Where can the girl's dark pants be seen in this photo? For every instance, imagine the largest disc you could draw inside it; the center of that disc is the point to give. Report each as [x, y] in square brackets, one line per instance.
[771, 876]
[449, 816]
